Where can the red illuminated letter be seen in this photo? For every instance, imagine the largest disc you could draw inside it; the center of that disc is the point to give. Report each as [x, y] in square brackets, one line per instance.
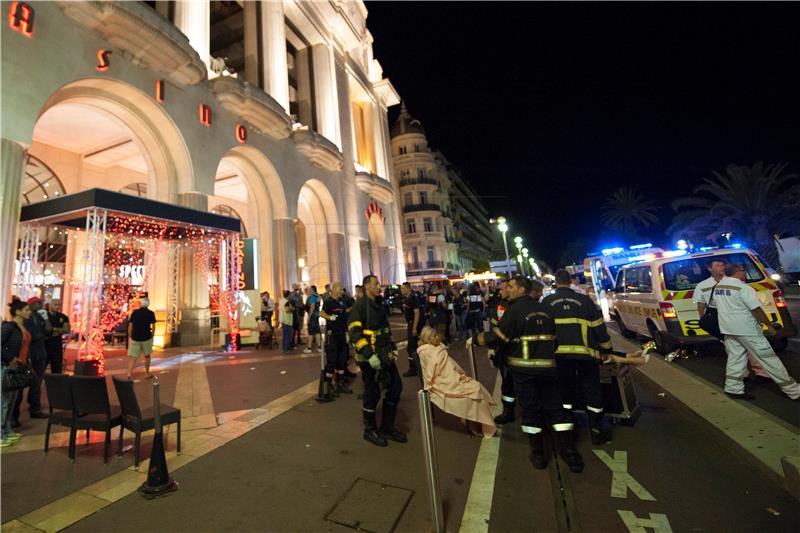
[103, 61]
[160, 90]
[241, 134]
[205, 115]
[20, 18]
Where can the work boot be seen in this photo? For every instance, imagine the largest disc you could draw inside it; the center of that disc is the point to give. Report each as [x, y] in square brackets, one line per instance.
[506, 416]
[538, 453]
[599, 434]
[567, 451]
[341, 386]
[412, 369]
[325, 386]
[387, 424]
[371, 431]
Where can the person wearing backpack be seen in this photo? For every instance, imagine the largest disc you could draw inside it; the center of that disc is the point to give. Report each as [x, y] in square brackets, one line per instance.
[15, 344]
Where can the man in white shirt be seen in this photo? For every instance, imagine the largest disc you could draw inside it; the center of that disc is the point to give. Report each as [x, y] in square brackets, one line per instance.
[575, 284]
[702, 298]
[740, 320]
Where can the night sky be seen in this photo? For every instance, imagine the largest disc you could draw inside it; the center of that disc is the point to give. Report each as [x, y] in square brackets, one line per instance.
[546, 108]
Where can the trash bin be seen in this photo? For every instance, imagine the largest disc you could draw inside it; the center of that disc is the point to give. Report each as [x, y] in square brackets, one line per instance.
[619, 393]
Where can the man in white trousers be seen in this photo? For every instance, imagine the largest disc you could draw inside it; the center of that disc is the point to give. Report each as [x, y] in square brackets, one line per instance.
[740, 320]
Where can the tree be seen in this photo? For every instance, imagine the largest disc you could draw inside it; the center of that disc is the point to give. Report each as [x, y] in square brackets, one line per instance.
[626, 211]
[757, 205]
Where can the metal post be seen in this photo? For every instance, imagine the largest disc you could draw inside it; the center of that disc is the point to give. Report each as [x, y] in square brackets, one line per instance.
[431, 463]
[473, 366]
[505, 245]
[157, 404]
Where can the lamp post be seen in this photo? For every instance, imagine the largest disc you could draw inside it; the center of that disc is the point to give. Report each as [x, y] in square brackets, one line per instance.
[518, 244]
[503, 227]
[525, 262]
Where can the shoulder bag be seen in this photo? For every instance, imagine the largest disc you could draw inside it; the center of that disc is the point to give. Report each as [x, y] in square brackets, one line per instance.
[710, 319]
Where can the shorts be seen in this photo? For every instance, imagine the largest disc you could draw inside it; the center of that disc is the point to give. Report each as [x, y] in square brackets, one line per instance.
[313, 326]
[135, 346]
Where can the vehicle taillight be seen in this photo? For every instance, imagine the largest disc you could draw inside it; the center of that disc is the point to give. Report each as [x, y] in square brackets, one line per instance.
[780, 301]
[667, 310]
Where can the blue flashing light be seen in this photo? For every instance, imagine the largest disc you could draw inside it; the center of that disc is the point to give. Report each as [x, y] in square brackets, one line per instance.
[682, 244]
[706, 248]
[610, 251]
[641, 246]
[736, 245]
[674, 253]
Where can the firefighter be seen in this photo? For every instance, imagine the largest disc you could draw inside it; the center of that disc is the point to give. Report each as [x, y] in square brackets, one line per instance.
[498, 357]
[376, 354]
[582, 342]
[412, 310]
[528, 332]
[337, 349]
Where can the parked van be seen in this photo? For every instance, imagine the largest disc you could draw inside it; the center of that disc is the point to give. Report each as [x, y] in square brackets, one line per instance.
[654, 298]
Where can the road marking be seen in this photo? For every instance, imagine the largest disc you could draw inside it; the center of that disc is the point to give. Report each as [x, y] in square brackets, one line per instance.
[658, 522]
[621, 480]
[478, 509]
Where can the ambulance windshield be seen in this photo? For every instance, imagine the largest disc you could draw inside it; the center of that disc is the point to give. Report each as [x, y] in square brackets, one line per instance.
[686, 274]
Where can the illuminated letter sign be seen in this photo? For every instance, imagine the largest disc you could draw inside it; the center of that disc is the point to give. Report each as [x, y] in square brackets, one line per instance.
[205, 115]
[241, 134]
[160, 90]
[20, 18]
[248, 253]
[103, 61]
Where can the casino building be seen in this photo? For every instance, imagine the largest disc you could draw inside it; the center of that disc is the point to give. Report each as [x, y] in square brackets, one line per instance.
[273, 113]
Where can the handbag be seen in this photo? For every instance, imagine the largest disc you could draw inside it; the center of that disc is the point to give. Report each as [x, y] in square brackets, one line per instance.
[18, 378]
[709, 322]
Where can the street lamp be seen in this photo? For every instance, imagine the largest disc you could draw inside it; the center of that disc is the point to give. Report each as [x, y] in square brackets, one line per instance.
[518, 244]
[525, 255]
[503, 227]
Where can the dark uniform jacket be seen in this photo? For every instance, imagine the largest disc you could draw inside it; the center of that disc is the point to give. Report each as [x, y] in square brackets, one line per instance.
[580, 328]
[527, 335]
[337, 308]
[495, 314]
[369, 331]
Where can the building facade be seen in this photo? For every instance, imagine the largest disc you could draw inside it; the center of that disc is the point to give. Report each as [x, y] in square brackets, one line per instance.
[446, 230]
[274, 113]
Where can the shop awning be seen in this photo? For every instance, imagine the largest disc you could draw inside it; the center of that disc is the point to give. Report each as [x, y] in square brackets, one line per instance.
[70, 210]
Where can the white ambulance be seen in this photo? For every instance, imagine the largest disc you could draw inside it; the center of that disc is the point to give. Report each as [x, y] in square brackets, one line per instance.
[653, 297]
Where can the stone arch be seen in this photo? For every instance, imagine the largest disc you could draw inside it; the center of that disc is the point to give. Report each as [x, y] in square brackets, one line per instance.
[316, 210]
[156, 134]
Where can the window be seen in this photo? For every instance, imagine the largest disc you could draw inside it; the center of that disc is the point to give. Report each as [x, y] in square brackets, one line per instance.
[228, 211]
[411, 226]
[416, 148]
[427, 223]
[291, 69]
[403, 150]
[407, 199]
[414, 255]
[421, 173]
[638, 280]
[431, 254]
[405, 173]
[423, 197]
[685, 275]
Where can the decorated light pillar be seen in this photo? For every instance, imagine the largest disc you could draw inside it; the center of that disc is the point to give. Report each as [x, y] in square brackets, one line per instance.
[12, 159]
[195, 317]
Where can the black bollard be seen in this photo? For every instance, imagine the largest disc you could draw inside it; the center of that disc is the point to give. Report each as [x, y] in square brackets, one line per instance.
[159, 482]
[324, 389]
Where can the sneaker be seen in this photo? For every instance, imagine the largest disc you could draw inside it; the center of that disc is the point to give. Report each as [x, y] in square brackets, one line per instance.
[307, 350]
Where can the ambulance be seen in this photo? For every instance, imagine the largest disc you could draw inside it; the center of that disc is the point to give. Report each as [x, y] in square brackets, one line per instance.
[653, 298]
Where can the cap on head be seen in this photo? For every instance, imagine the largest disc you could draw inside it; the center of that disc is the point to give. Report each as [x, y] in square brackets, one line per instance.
[34, 299]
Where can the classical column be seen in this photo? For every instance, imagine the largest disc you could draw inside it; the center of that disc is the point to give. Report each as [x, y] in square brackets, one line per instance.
[326, 98]
[193, 18]
[195, 324]
[285, 259]
[13, 159]
[265, 49]
[338, 258]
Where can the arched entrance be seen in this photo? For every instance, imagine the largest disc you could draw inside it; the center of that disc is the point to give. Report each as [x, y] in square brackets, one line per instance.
[318, 235]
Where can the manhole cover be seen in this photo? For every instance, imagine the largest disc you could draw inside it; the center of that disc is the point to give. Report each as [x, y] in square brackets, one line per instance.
[371, 506]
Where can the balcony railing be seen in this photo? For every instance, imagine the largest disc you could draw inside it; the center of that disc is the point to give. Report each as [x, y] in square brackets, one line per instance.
[435, 264]
[413, 208]
[418, 181]
[424, 265]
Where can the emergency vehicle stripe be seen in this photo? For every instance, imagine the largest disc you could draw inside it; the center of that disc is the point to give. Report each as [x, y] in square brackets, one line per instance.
[768, 286]
[531, 363]
[532, 430]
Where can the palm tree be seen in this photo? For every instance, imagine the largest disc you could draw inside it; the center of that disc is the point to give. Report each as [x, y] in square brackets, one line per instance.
[626, 211]
[757, 205]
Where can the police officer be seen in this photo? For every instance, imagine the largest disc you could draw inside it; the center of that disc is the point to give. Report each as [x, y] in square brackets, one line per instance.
[527, 329]
[376, 354]
[334, 311]
[414, 323]
[507, 396]
[582, 336]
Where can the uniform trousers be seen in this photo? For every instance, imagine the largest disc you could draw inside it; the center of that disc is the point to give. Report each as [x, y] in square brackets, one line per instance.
[737, 347]
[507, 395]
[540, 398]
[336, 352]
[413, 342]
[580, 380]
[372, 385]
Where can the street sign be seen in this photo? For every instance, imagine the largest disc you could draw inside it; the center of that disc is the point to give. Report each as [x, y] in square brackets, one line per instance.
[503, 266]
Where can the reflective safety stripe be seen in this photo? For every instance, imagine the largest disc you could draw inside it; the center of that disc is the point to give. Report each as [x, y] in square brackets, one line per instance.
[500, 334]
[596, 323]
[606, 345]
[355, 324]
[367, 410]
[567, 406]
[581, 321]
[566, 348]
[360, 343]
[531, 363]
[563, 427]
[532, 430]
[594, 409]
[525, 339]
[508, 399]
